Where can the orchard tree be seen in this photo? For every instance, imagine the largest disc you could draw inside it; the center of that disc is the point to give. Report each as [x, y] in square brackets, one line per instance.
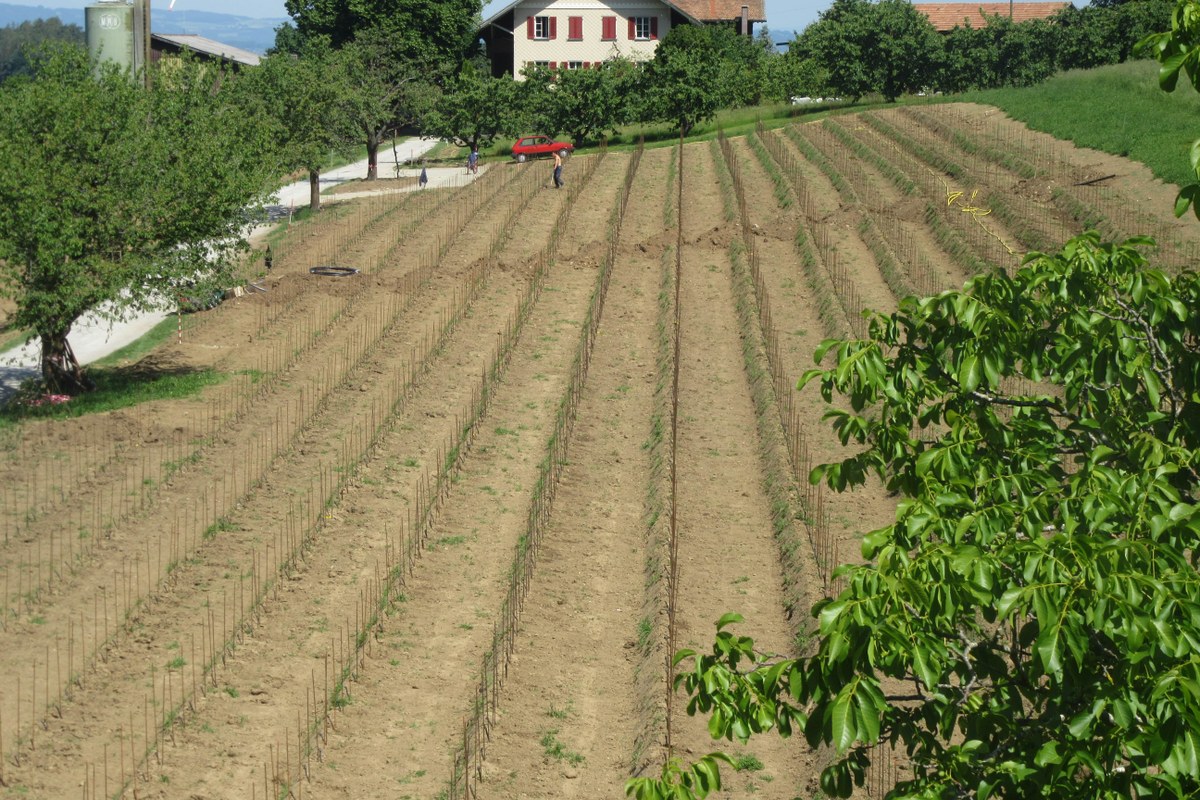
[474, 108]
[1087, 37]
[683, 83]
[385, 91]
[1001, 53]
[1029, 625]
[112, 194]
[310, 104]
[743, 64]
[787, 75]
[887, 47]
[583, 103]
[430, 33]
[397, 51]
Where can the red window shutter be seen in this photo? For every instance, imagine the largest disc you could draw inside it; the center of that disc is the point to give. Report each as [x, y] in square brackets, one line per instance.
[575, 27]
[654, 27]
[553, 27]
[529, 26]
[553, 65]
[632, 28]
[587, 64]
[609, 28]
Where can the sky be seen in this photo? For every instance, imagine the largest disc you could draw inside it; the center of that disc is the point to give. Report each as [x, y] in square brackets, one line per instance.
[783, 16]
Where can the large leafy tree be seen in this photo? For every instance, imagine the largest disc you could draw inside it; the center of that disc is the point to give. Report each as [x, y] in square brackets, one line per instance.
[429, 32]
[744, 62]
[1001, 53]
[474, 108]
[788, 75]
[584, 103]
[17, 40]
[887, 47]
[110, 193]
[683, 83]
[309, 104]
[397, 51]
[385, 91]
[1029, 626]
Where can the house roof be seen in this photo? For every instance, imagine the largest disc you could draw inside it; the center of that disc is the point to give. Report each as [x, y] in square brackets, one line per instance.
[679, 5]
[945, 16]
[722, 10]
[208, 47]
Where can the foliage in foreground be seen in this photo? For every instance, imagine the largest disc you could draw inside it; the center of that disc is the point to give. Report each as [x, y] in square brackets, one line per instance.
[1029, 626]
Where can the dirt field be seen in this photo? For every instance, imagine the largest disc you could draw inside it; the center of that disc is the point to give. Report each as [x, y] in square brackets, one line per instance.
[439, 528]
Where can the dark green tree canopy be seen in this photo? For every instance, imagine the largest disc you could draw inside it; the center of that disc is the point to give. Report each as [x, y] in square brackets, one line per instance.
[583, 103]
[111, 194]
[433, 33]
[886, 47]
[16, 40]
[474, 109]
[683, 83]
[309, 103]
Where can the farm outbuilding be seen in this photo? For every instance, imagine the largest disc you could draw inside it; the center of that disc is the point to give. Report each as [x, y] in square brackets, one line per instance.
[173, 44]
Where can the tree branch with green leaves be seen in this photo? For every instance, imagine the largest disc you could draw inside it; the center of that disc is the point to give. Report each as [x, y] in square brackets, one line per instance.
[1029, 624]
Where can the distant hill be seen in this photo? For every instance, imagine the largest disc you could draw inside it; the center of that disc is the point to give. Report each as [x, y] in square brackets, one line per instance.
[248, 33]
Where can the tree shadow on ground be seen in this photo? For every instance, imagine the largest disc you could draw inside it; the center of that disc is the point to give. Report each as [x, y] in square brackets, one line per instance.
[158, 377]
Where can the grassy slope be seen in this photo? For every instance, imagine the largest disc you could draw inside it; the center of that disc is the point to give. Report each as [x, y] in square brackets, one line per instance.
[1117, 109]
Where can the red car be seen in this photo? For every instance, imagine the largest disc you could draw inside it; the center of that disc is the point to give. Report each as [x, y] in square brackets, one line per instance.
[530, 146]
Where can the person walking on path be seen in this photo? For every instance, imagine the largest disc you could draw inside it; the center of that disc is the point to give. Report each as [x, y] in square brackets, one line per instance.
[473, 161]
[558, 181]
[424, 179]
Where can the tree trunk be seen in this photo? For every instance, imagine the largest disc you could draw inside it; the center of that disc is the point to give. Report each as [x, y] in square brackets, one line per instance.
[60, 369]
[372, 154]
[314, 190]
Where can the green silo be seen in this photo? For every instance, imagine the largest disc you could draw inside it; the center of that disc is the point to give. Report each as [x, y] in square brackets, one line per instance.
[110, 33]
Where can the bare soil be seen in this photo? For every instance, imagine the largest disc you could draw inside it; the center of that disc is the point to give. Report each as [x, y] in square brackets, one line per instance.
[290, 583]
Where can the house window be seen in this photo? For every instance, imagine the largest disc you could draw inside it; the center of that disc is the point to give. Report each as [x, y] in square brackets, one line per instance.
[643, 29]
[575, 28]
[608, 29]
[574, 65]
[540, 27]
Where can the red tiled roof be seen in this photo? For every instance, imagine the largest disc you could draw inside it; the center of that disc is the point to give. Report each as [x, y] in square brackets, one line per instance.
[945, 16]
[719, 10]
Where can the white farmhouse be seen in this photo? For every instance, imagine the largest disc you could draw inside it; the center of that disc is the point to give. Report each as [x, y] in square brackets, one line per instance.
[577, 34]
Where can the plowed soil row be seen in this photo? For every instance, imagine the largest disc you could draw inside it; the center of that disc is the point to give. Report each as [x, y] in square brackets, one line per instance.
[573, 731]
[167, 607]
